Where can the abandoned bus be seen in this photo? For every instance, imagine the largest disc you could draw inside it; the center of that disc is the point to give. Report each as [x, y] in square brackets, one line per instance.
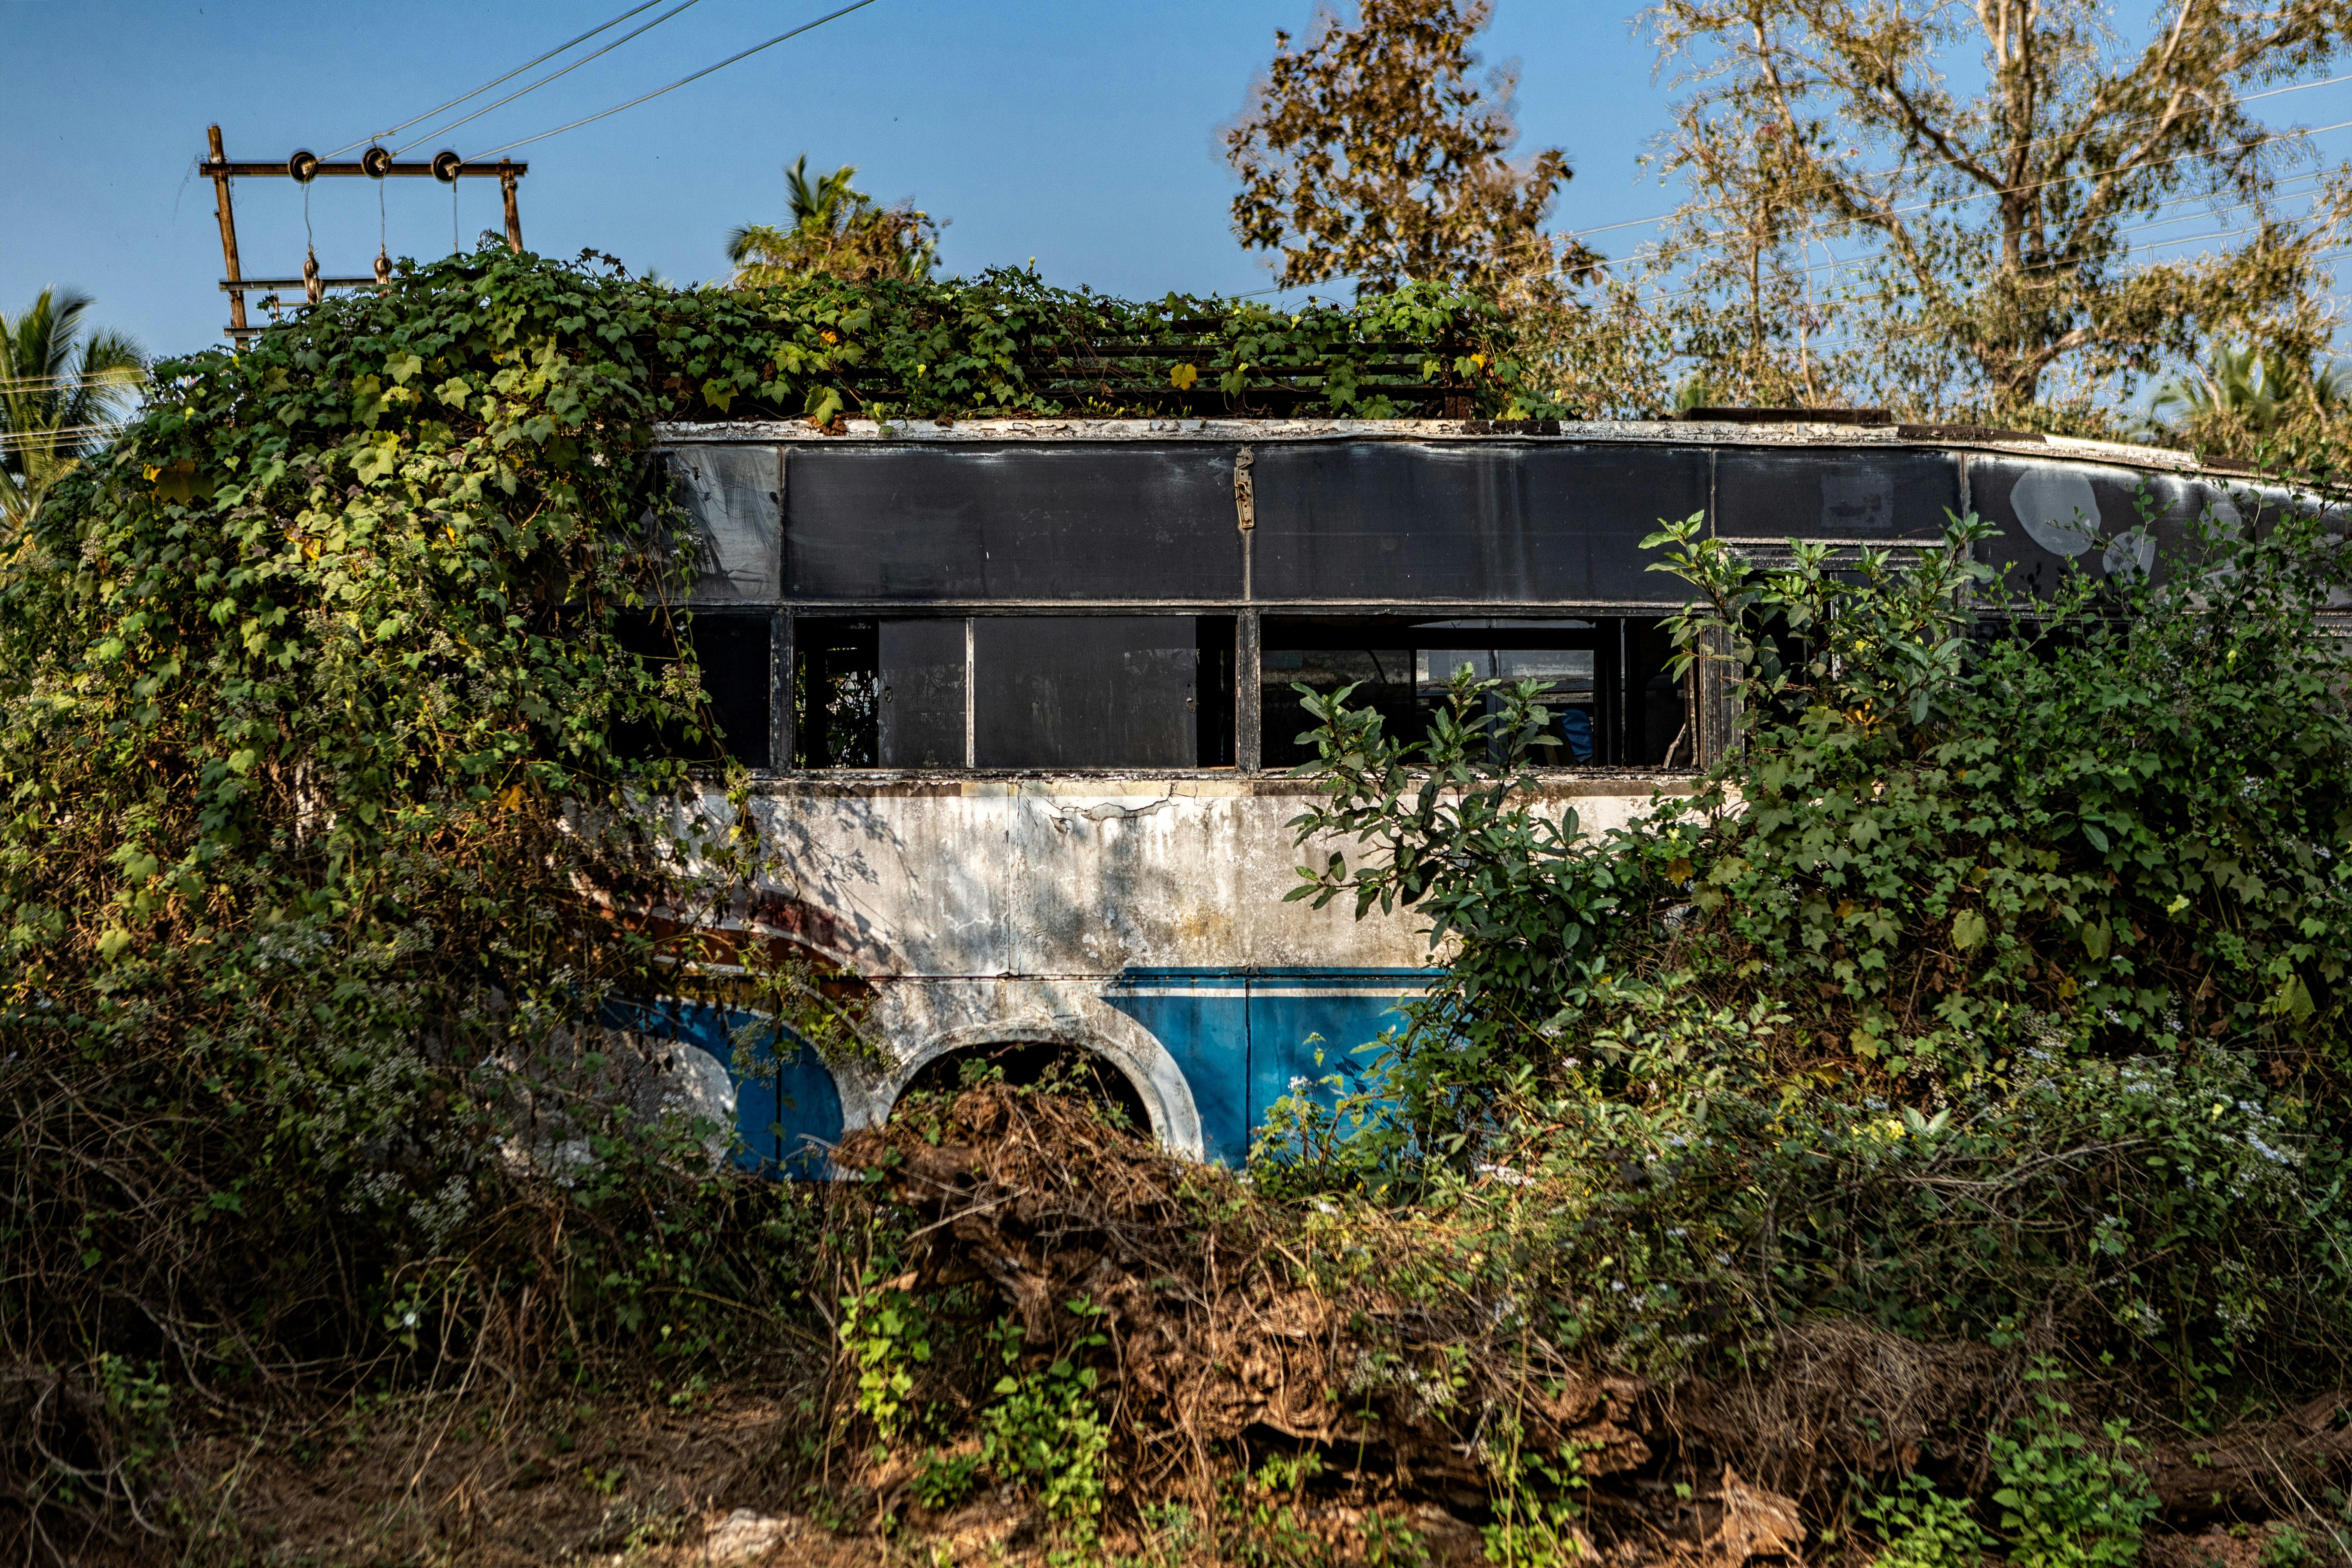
[1022, 696]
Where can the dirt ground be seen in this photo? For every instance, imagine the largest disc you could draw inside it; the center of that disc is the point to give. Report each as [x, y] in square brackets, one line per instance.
[716, 1478]
[735, 1476]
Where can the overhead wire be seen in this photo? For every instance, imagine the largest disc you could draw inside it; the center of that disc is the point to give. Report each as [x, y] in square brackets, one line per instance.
[1937, 163]
[681, 81]
[38, 438]
[1924, 206]
[440, 132]
[495, 81]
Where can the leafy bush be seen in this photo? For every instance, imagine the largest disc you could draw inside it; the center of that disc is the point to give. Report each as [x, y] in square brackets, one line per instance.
[2065, 1499]
[329, 831]
[1995, 980]
[1045, 1428]
[1922, 1528]
[349, 754]
[887, 1336]
[946, 1479]
[2068, 1502]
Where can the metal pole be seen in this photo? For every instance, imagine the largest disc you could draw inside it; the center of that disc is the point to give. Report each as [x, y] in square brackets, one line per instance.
[228, 238]
[514, 214]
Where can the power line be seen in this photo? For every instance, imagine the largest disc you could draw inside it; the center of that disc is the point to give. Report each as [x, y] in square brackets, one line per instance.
[681, 81]
[396, 130]
[1936, 163]
[2056, 179]
[1924, 206]
[23, 438]
[444, 129]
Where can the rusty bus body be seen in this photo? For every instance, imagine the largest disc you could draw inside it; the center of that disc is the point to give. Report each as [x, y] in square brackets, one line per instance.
[1019, 694]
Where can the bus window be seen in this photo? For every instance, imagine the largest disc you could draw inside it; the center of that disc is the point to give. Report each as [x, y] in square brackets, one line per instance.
[1015, 692]
[1084, 691]
[921, 718]
[834, 693]
[1375, 658]
[1603, 679]
[732, 651]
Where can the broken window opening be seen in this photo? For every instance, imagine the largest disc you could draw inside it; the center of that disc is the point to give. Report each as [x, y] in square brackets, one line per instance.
[1613, 702]
[1015, 693]
[1216, 644]
[732, 653]
[834, 693]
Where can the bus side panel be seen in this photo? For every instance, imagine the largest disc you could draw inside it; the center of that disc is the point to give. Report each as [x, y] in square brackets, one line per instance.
[1202, 1019]
[1305, 1028]
[787, 1113]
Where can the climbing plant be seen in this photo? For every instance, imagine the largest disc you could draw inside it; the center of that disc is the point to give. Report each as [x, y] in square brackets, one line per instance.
[326, 840]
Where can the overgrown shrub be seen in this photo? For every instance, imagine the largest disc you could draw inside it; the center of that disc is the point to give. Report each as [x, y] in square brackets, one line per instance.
[330, 828]
[1991, 989]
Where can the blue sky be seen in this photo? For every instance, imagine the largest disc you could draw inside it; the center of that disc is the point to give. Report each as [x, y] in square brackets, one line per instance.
[1081, 134]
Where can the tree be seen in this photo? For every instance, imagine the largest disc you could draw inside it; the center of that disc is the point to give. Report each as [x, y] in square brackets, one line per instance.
[2254, 401]
[1372, 154]
[58, 388]
[1959, 246]
[835, 230]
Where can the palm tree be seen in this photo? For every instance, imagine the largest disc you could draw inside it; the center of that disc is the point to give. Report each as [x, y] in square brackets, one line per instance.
[835, 228]
[2245, 382]
[60, 388]
[2254, 388]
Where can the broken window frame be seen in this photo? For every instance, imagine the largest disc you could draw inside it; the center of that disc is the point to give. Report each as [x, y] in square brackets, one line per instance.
[1229, 708]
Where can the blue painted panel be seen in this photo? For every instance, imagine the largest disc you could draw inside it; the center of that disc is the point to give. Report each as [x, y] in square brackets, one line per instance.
[783, 1110]
[1241, 1036]
[1202, 1017]
[1347, 1008]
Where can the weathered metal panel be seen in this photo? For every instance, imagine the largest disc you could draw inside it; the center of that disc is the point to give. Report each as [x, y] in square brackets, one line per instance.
[1829, 493]
[787, 1109]
[1244, 1040]
[1084, 691]
[921, 704]
[1042, 522]
[1306, 1025]
[2107, 519]
[1468, 524]
[985, 910]
[1202, 1017]
[733, 501]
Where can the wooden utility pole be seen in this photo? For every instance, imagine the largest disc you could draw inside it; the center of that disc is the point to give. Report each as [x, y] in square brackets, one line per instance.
[506, 172]
[375, 164]
[228, 236]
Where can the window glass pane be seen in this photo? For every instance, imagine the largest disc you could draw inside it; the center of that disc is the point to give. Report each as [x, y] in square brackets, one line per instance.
[732, 651]
[919, 694]
[1599, 672]
[1086, 692]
